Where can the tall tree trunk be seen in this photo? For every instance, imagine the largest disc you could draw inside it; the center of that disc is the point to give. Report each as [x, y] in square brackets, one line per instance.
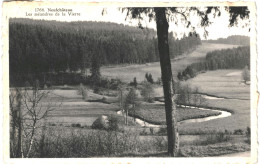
[165, 62]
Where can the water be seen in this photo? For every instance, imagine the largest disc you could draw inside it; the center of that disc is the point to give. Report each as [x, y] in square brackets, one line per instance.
[212, 97]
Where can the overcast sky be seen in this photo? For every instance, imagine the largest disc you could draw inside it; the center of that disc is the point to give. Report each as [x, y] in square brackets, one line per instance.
[218, 29]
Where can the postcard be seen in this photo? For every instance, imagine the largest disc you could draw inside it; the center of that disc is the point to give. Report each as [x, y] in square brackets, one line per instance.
[128, 82]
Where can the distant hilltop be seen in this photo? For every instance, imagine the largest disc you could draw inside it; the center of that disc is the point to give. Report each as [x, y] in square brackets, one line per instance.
[234, 39]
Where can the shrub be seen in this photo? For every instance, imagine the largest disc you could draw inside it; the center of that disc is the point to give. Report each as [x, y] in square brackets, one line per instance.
[159, 81]
[215, 138]
[134, 82]
[76, 125]
[149, 78]
[160, 143]
[248, 135]
[96, 90]
[101, 123]
[113, 123]
[147, 92]
[238, 132]
[60, 143]
[162, 130]
[81, 90]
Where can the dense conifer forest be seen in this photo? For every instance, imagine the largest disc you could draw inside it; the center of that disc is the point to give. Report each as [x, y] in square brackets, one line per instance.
[38, 46]
[236, 58]
[49, 49]
[234, 39]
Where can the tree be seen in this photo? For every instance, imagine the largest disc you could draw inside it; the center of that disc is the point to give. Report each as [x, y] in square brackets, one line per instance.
[134, 83]
[95, 68]
[131, 102]
[121, 100]
[149, 78]
[162, 15]
[27, 113]
[147, 91]
[246, 74]
[81, 90]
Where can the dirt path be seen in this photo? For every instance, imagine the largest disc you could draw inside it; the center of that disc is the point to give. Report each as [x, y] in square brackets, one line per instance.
[241, 154]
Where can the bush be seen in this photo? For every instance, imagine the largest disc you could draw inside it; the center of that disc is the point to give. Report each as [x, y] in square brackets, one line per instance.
[215, 138]
[134, 83]
[159, 81]
[113, 123]
[149, 78]
[76, 125]
[81, 90]
[60, 143]
[101, 122]
[147, 92]
[248, 135]
[162, 131]
[238, 132]
[96, 90]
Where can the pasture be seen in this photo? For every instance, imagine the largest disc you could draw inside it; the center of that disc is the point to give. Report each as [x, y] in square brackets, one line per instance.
[228, 84]
[128, 72]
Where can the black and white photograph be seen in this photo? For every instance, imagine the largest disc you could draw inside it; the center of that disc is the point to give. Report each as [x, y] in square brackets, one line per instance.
[130, 81]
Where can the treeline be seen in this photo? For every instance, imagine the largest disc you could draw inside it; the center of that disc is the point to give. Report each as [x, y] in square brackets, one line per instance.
[234, 39]
[236, 58]
[38, 46]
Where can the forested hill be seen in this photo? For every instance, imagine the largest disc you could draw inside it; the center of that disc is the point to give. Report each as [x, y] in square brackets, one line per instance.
[50, 46]
[234, 39]
[235, 58]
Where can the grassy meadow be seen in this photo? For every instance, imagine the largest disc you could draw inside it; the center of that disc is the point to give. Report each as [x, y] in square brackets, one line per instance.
[224, 83]
[128, 72]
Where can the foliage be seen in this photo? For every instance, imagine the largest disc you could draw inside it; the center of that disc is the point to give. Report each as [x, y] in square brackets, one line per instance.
[234, 39]
[238, 132]
[213, 138]
[62, 143]
[113, 122]
[28, 112]
[134, 83]
[248, 135]
[246, 74]
[81, 90]
[217, 149]
[101, 122]
[95, 70]
[220, 59]
[131, 101]
[188, 96]
[147, 91]
[149, 78]
[38, 46]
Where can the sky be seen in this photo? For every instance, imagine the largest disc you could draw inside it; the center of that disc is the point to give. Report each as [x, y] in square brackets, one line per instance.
[218, 29]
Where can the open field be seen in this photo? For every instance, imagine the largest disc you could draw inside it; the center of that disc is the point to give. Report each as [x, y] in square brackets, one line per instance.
[155, 113]
[127, 73]
[221, 83]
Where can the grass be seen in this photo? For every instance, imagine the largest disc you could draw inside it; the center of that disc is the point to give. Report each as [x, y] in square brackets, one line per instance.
[61, 142]
[127, 73]
[224, 83]
[78, 143]
[155, 113]
[214, 149]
